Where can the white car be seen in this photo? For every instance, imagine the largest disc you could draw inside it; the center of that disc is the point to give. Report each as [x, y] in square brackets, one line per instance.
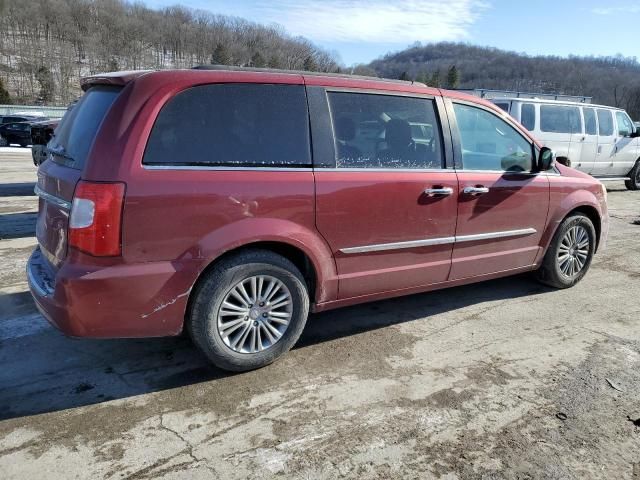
[598, 140]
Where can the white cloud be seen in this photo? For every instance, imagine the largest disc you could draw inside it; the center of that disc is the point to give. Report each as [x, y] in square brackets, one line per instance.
[615, 10]
[375, 21]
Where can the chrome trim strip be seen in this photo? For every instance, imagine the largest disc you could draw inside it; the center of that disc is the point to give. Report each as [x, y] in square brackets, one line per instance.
[492, 235]
[386, 170]
[399, 245]
[205, 167]
[52, 198]
[380, 247]
[611, 179]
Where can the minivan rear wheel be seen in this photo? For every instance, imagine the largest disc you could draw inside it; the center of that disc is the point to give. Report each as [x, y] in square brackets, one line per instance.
[634, 178]
[569, 255]
[248, 310]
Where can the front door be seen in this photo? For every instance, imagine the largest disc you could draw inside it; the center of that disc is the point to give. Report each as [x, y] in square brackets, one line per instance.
[626, 147]
[502, 205]
[385, 202]
[606, 144]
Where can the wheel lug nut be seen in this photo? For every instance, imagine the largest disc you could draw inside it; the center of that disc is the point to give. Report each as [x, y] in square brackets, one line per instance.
[265, 314]
[255, 323]
[262, 304]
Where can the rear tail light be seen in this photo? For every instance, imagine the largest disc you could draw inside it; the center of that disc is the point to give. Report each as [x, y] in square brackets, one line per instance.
[95, 222]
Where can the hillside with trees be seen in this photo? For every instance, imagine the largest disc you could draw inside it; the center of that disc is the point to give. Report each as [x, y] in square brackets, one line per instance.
[47, 45]
[609, 80]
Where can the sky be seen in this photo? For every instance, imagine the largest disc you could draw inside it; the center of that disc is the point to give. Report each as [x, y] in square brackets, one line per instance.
[360, 31]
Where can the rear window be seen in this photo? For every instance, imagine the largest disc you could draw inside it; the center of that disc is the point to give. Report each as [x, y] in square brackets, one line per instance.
[75, 135]
[503, 105]
[558, 119]
[237, 125]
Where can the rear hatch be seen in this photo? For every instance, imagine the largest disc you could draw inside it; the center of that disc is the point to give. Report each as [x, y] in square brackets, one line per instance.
[68, 150]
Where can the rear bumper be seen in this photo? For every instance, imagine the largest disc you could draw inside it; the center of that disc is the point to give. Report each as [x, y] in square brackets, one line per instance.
[115, 301]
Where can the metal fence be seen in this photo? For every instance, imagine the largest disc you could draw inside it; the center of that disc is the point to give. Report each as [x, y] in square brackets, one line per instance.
[52, 112]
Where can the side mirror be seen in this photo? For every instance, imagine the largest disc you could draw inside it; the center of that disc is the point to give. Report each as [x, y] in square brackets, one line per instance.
[635, 134]
[545, 159]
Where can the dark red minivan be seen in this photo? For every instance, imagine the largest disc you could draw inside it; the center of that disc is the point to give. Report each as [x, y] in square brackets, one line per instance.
[231, 203]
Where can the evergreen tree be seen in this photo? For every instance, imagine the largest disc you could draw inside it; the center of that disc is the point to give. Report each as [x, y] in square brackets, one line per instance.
[258, 61]
[453, 77]
[47, 85]
[310, 64]
[434, 81]
[404, 76]
[5, 99]
[220, 56]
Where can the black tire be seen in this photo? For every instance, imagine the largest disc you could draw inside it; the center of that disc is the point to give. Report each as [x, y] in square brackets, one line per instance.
[202, 322]
[3, 142]
[24, 145]
[634, 181]
[550, 272]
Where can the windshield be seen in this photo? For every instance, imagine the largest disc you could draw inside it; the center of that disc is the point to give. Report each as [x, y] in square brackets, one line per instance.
[73, 138]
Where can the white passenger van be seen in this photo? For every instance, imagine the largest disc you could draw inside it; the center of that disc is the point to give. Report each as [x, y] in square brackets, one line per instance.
[595, 139]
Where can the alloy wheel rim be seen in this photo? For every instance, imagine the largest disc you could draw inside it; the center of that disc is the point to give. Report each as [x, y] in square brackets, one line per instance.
[573, 252]
[254, 314]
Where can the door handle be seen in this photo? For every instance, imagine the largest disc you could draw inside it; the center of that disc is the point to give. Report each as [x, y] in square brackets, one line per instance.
[432, 192]
[475, 190]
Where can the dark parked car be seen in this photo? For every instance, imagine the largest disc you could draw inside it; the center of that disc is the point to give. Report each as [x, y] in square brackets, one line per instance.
[232, 203]
[12, 133]
[19, 118]
[41, 133]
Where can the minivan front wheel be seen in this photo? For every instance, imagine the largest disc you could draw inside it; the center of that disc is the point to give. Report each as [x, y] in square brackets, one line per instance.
[634, 178]
[570, 253]
[248, 310]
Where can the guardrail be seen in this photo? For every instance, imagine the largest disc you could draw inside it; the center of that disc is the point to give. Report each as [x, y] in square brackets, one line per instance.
[53, 112]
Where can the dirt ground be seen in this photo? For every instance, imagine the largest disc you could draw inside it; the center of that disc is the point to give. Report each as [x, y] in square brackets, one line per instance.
[504, 379]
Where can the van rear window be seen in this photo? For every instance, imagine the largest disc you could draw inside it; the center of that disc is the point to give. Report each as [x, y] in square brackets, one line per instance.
[78, 128]
[233, 125]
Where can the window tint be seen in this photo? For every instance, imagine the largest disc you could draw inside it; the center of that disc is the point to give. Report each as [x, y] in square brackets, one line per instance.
[625, 127]
[590, 126]
[384, 131]
[560, 119]
[605, 122]
[76, 131]
[233, 125]
[528, 116]
[490, 143]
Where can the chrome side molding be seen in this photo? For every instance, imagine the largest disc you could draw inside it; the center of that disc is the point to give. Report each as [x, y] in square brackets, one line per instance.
[380, 247]
[52, 198]
[492, 235]
[399, 245]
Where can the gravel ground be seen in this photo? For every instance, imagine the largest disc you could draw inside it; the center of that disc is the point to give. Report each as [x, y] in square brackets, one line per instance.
[504, 379]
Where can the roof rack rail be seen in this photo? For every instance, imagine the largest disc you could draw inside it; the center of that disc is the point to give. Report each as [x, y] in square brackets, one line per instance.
[491, 94]
[303, 72]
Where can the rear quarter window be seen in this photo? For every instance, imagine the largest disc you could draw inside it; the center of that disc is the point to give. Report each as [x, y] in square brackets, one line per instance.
[234, 125]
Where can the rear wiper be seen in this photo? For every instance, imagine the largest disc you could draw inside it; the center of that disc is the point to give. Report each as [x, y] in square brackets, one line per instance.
[60, 153]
